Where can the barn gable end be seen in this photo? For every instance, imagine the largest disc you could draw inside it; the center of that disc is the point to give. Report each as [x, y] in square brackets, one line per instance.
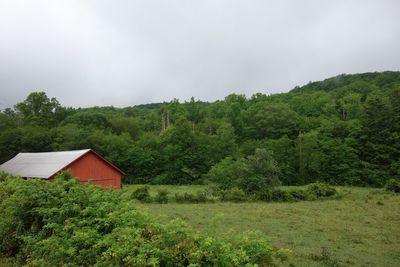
[90, 168]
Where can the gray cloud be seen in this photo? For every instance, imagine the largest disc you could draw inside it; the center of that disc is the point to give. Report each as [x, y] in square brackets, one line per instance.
[122, 53]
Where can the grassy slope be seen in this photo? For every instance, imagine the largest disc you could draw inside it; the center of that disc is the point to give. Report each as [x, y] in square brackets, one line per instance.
[362, 229]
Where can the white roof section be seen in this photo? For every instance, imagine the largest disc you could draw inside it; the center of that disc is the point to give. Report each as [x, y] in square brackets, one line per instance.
[40, 165]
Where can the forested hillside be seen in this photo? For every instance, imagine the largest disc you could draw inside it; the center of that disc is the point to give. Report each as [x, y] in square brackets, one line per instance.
[343, 130]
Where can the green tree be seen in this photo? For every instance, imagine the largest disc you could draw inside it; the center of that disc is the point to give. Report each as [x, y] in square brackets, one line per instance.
[395, 132]
[6, 122]
[128, 125]
[10, 143]
[270, 121]
[87, 119]
[69, 137]
[194, 112]
[145, 159]
[261, 172]
[253, 174]
[235, 105]
[179, 148]
[309, 157]
[35, 139]
[38, 109]
[223, 143]
[376, 140]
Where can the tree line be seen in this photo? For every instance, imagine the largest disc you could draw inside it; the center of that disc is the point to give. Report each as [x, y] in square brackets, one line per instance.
[343, 130]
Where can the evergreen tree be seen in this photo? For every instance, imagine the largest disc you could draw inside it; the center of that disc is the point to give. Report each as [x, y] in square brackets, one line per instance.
[377, 140]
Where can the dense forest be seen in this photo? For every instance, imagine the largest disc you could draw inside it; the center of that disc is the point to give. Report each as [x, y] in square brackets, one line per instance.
[343, 130]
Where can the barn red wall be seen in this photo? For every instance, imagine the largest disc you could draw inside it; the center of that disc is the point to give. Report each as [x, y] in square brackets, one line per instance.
[92, 168]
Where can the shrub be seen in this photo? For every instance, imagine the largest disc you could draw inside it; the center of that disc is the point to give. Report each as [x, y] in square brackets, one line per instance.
[225, 173]
[393, 185]
[261, 172]
[162, 196]
[265, 195]
[234, 194]
[299, 194]
[199, 197]
[3, 176]
[280, 195]
[141, 193]
[64, 175]
[63, 223]
[319, 190]
[256, 244]
[184, 198]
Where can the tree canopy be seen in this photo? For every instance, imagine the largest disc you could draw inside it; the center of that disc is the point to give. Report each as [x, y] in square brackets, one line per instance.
[343, 130]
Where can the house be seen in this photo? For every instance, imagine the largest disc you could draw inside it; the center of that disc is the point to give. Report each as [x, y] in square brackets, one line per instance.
[86, 165]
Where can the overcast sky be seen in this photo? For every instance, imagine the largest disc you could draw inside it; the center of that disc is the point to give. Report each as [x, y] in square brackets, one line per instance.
[123, 53]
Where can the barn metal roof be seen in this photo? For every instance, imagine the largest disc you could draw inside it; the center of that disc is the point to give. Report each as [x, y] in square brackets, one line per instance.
[41, 165]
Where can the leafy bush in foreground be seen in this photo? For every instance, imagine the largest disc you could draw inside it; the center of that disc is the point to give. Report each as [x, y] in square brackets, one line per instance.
[63, 223]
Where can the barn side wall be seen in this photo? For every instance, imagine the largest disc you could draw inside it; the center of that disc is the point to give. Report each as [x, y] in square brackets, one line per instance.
[92, 168]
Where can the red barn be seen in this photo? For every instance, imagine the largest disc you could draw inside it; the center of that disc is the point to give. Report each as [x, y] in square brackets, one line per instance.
[86, 165]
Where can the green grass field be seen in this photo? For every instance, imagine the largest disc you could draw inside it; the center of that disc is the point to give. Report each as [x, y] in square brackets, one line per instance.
[360, 229]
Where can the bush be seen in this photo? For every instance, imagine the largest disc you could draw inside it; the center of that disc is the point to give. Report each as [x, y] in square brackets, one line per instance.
[3, 176]
[319, 190]
[261, 172]
[312, 192]
[225, 173]
[299, 194]
[162, 196]
[184, 198]
[63, 223]
[393, 185]
[280, 195]
[264, 196]
[199, 197]
[141, 193]
[234, 194]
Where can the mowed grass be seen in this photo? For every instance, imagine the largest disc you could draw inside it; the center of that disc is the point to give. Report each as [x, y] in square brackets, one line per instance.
[360, 229]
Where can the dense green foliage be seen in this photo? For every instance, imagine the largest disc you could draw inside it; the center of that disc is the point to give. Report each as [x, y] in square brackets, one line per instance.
[65, 224]
[343, 130]
[251, 174]
[313, 191]
[199, 197]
